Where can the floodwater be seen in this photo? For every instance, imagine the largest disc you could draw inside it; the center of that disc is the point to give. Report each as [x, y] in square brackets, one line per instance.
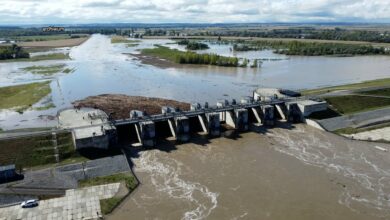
[282, 173]
[101, 67]
[296, 173]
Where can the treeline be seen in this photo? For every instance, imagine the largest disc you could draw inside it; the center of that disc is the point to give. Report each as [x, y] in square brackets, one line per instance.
[308, 33]
[192, 45]
[319, 49]
[12, 52]
[208, 59]
[6, 33]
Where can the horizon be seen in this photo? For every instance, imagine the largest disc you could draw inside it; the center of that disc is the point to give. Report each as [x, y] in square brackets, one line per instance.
[71, 12]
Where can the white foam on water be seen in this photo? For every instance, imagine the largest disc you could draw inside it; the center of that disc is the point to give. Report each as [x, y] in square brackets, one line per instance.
[165, 177]
[372, 181]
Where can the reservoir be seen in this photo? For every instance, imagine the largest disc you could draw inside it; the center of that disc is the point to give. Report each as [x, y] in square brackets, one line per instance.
[100, 67]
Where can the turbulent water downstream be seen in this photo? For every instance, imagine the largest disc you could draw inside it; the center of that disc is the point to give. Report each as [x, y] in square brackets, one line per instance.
[297, 173]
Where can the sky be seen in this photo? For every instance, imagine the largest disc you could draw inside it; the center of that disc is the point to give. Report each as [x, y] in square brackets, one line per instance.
[192, 11]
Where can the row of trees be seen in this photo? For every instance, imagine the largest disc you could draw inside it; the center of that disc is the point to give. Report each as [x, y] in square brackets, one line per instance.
[208, 59]
[309, 33]
[12, 52]
[318, 49]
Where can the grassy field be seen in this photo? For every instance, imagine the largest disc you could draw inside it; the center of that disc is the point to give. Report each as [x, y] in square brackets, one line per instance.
[52, 56]
[23, 96]
[108, 205]
[45, 70]
[366, 84]
[163, 52]
[353, 104]
[378, 92]
[120, 39]
[35, 151]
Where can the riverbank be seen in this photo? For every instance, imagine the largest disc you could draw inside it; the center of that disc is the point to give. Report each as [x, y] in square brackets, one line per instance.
[120, 105]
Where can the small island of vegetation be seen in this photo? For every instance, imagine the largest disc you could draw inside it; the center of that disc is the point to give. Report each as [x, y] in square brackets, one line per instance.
[192, 45]
[190, 57]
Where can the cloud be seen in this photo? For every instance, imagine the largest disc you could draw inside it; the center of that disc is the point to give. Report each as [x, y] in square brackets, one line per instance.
[195, 11]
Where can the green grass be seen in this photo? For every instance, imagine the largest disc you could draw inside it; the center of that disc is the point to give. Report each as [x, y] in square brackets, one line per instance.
[23, 96]
[108, 205]
[45, 70]
[35, 151]
[365, 84]
[120, 39]
[353, 104]
[128, 178]
[378, 92]
[163, 52]
[52, 56]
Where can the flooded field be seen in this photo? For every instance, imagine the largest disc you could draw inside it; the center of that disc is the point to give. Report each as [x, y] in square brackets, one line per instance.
[102, 68]
[287, 173]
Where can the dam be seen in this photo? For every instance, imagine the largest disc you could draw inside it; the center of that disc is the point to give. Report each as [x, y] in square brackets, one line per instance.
[226, 117]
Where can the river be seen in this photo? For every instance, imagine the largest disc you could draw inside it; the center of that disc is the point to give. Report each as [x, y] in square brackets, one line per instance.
[297, 173]
[101, 68]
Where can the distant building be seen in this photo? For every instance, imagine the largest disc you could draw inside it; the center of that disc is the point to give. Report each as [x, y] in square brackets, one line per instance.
[90, 127]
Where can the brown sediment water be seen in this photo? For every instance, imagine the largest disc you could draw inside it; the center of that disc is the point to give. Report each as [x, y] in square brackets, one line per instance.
[295, 173]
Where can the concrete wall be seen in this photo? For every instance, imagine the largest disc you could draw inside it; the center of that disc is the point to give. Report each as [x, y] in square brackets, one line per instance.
[101, 142]
[307, 109]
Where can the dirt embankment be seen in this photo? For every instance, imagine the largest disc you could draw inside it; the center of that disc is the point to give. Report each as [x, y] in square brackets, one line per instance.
[55, 43]
[121, 105]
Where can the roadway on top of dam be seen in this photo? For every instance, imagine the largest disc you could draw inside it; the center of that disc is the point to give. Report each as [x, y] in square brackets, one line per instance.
[155, 118]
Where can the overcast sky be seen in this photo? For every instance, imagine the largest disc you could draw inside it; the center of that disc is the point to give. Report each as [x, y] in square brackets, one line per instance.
[193, 11]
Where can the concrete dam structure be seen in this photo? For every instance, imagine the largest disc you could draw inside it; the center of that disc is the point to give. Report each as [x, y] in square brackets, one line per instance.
[179, 125]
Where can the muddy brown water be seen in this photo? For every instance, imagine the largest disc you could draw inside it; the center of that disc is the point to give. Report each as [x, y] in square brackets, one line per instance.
[298, 173]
